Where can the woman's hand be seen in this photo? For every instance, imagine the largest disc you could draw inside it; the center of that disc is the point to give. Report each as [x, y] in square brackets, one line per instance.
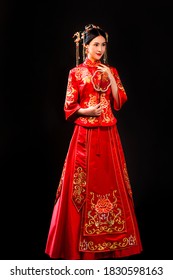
[92, 111]
[106, 69]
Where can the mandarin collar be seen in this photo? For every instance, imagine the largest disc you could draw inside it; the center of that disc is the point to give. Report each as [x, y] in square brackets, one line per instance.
[88, 62]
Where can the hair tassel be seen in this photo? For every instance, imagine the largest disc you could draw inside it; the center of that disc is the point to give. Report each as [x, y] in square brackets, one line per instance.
[77, 40]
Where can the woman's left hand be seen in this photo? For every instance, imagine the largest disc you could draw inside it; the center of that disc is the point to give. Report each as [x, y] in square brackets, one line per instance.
[106, 69]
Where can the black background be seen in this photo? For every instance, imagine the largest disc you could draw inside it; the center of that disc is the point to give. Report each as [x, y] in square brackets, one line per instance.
[37, 52]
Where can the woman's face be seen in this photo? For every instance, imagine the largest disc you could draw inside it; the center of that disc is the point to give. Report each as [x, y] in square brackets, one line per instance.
[96, 48]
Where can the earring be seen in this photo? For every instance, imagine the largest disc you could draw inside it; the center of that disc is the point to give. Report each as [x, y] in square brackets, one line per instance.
[85, 49]
[105, 58]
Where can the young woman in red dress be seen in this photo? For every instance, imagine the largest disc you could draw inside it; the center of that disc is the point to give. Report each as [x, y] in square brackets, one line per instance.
[93, 215]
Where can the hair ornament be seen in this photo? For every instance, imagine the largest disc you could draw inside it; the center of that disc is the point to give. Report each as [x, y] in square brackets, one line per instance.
[91, 26]
[77, 38]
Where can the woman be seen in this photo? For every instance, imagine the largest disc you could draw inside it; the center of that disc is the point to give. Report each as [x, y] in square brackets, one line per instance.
[93, 215]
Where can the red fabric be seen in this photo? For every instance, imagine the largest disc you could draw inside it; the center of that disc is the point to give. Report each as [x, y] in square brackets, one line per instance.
[93, 216]
[103, 223]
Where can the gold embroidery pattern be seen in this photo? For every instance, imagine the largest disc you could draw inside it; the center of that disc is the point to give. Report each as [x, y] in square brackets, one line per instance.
[92, 102]
[86, 76]
[119, 84]
[100, 81]
[79, 184]
[127, 181]
[78, 73]
[69, 94]
[105, 246]
[83, 74]
[106, 113]
[60, 183]
[104, 216]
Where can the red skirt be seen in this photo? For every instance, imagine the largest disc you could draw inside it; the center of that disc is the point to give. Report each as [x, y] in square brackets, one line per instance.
[94, 215]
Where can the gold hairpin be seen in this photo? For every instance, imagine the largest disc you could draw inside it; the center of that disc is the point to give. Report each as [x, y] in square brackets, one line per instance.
[77, 40]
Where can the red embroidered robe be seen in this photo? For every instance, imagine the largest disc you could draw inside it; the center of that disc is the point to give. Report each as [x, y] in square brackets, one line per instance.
[93, 216]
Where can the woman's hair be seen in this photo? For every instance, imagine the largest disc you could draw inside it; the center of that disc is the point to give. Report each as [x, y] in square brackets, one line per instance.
[91, 31]
[85, 37]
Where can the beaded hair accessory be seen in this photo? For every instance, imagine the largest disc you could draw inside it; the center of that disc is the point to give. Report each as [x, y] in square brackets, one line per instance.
[79, 37]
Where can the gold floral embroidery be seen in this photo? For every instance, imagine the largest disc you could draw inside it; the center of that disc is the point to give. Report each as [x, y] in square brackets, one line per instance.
[100, 81]
[79, 183]
[104, 216]
[105, 246]
[83, 74]
[92, 100]
[69, 94]
[78, 73]
[107, 115]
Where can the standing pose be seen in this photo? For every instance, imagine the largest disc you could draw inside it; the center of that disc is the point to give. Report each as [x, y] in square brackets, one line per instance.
[93, 215]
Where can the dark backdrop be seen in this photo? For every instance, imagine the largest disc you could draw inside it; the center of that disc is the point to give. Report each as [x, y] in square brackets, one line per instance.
[37, 52]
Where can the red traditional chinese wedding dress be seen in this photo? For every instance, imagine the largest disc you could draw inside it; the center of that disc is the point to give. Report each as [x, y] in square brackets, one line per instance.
[93, 215]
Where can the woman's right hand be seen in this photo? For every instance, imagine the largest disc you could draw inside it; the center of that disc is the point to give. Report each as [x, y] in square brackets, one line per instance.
[92, 111]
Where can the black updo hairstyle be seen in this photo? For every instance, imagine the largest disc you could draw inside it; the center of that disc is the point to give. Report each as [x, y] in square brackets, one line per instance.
[91, 31]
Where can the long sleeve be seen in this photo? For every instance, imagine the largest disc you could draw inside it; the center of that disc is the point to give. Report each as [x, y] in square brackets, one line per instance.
[121, 91]
[71, 101]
